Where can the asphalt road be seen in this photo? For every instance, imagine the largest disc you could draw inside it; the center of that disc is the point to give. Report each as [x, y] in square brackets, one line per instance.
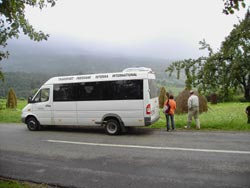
[141, 158]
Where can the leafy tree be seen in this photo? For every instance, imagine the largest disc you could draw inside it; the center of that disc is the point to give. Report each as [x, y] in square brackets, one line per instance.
[236, 54]
[12, 99]
[214, 75]
[224, 71]
[231, 5]
[13, 22]
[190, 68]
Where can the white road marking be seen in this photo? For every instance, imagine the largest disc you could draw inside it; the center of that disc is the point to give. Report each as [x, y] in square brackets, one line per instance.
[149, 147]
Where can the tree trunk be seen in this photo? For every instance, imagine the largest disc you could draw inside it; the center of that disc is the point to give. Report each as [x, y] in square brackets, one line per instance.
[247, 93]
[247, 89]
[214, 98]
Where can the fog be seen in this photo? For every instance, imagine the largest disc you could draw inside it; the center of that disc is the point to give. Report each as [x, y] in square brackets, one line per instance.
[142, 28]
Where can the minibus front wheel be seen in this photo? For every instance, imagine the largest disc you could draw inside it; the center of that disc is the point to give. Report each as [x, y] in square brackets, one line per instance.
[113, 127]
[32, 124]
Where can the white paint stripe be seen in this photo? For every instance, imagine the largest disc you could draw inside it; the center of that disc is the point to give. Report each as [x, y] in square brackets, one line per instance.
[149, 147]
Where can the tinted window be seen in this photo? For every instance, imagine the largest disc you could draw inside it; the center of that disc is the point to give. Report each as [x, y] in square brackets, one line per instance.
[90, 91]
[124, 90]
[64, 92]
[111, 90]
[108, 90]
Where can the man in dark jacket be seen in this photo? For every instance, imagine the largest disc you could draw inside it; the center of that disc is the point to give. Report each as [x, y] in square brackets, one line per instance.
[248, 114]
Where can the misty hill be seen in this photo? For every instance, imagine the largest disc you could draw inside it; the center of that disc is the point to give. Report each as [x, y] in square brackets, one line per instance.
[77, 64]
[30, 64]
[67, 57]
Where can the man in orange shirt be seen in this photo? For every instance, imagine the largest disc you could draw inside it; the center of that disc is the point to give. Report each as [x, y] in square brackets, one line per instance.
[170, 114]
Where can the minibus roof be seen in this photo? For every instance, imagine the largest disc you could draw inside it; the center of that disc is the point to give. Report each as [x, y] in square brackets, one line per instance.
[127, 74]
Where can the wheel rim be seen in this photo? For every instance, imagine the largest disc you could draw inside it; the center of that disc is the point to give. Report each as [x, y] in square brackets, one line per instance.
[32, 125]
[112, 128]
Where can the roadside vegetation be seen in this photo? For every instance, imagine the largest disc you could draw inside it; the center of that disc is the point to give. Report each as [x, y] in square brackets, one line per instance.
[222, 116]
[9, 115]
[7, 183]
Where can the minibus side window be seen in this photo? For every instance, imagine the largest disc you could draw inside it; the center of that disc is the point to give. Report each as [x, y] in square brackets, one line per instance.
[90, 91]
[94, 91]
[153, 90]
[42, 95]
[65, 92]
[127, 89]
[111, 90]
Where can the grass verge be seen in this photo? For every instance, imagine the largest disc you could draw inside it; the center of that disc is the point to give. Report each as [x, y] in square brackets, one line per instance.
[222, 116]
[7, 183]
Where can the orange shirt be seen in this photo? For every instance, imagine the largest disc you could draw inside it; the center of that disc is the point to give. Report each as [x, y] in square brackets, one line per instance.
[172, 104]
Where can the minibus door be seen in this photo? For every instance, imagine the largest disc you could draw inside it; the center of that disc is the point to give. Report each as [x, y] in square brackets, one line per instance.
[42, 106]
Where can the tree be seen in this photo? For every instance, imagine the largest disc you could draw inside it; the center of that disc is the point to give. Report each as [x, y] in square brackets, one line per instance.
[214, 75]
[231, 5]
[224, 71]
[236, 53]
[1, 75]
[11, 99]
[190, 68]
[13, 21]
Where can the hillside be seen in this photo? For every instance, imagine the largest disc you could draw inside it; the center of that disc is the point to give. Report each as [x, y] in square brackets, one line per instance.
[77, 64]
[31, 64]
[73, 57]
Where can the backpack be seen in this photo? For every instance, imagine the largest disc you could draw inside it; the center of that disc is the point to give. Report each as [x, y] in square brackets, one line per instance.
[166, 108]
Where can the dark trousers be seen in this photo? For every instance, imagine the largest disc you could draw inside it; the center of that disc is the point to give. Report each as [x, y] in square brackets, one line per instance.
[169, 118]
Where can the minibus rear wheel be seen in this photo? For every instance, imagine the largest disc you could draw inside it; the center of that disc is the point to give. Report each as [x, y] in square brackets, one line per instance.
[113, 127]
[32, 124]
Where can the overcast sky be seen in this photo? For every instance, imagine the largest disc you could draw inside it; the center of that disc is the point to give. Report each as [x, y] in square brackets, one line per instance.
[151, 28]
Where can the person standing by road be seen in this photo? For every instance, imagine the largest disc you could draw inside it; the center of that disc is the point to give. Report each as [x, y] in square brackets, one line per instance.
[193, 110]
[248, 114]
[170, 114]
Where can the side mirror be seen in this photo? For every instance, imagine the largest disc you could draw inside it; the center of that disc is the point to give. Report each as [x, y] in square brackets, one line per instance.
[30, 99]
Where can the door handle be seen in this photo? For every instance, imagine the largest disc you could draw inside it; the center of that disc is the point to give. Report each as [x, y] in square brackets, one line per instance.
[47, 105]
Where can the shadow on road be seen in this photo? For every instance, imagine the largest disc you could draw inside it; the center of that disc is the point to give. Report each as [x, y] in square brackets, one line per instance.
[97, 130]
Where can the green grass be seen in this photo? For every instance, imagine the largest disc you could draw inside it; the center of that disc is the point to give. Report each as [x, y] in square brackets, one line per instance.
[11, 115]
[12, 184]
[6, 183]
[223, 116]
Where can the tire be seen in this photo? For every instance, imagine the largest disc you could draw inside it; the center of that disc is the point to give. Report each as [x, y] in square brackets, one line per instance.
[113, 127]
[32, 124]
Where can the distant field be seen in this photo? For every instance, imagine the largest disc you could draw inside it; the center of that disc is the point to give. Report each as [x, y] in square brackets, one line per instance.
[223, 116]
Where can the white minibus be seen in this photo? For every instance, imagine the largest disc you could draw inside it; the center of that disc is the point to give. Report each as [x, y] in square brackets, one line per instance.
[112, 100]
